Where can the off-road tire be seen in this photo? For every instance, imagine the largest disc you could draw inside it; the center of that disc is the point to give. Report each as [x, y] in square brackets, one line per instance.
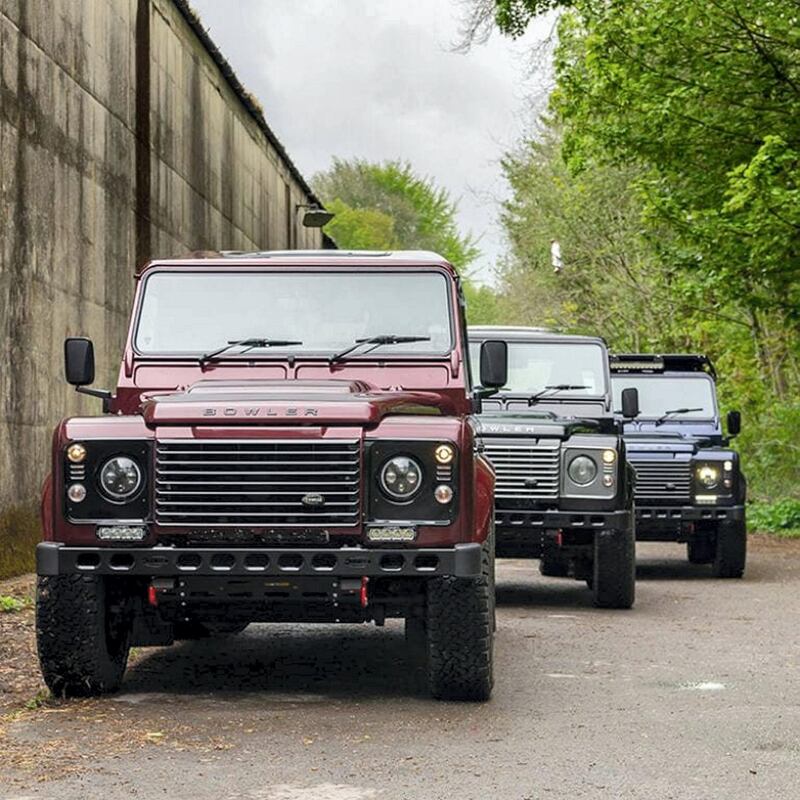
[83, 647]
[700, 549]
[553, 567]
[731, 550]
[460, 633]
[614, 569]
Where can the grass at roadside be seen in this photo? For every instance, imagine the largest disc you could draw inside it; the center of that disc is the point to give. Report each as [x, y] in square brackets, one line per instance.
[10, 605]
[779, 518]
[20, 681]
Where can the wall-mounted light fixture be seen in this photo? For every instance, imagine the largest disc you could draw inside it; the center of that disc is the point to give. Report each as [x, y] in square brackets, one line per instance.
[314, 215]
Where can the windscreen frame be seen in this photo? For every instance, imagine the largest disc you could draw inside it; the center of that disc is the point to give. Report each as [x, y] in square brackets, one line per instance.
[381, 353]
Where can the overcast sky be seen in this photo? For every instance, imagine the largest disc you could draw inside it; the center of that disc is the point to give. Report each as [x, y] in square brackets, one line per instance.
[378, 79]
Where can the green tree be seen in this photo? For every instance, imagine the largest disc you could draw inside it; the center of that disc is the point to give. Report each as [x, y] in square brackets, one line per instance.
[690, 113]
[608, 282]
[704, 100]
[386, 206]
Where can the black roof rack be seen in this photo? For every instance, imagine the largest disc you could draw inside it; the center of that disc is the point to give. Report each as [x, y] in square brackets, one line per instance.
[661, 362]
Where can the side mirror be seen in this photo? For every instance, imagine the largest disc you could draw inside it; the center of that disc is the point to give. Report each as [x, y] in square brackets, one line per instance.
[79, 361]
[630, 402]
[494, 364]
[734, 423]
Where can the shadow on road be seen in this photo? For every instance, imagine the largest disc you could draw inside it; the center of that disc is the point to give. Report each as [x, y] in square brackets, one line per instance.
[333, 661]
[524, 586]
[520, 584]
[682, 570]
[672, 570]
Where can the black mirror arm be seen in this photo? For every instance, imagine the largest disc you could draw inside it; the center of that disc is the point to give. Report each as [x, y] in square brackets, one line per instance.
[104, 394]
[482, 392]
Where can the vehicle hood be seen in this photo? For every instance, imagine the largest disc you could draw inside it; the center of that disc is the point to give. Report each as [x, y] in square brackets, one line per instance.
[705, 433]
[527, 425]
[650, 442]
[281, 402]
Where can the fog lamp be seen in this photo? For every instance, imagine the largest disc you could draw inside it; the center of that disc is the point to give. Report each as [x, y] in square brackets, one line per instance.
[443, 494]
[444, 453]
[76, 492]
[76, 453]
[121, 533]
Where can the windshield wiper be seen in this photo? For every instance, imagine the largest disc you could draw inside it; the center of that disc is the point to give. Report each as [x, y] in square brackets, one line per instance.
[248, 344]
[667, 414]
[559, 387]
[376, 341]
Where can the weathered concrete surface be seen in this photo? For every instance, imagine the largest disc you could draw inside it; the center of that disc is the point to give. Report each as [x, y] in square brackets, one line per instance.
[692, 695]
[120, 139]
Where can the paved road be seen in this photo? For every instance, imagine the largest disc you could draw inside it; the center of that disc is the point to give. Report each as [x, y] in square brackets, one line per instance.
[693, 694]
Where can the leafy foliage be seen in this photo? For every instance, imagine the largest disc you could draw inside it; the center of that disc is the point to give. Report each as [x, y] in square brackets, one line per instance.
[705, 100]
[10, 605]
[387, 206]
[395, 209]
[670, 173]
[782, 517]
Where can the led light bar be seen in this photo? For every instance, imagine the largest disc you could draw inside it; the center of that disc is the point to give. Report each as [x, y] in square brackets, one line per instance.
[392, 533]
[121, 533]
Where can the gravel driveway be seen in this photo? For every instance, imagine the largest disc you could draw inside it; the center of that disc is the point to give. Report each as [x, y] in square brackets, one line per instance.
[693, 694]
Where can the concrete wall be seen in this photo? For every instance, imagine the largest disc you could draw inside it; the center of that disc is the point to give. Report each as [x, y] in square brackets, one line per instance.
[123, 136]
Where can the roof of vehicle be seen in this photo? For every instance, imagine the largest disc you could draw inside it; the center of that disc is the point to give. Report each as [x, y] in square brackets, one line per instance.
[229, 258]
[522, 334]
[657, 363]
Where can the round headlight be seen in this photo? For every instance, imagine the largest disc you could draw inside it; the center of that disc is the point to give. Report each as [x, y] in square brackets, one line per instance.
[582, 470]
[708, 476]
[120, 478]
[401, 477]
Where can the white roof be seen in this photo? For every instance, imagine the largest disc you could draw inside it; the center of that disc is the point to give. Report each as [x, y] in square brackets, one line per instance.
[399, 255]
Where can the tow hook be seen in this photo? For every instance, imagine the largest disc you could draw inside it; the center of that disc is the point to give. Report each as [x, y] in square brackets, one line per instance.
[159, 584]
[354, 589]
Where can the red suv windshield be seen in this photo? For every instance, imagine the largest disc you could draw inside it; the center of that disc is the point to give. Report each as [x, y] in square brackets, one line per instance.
[190, 313]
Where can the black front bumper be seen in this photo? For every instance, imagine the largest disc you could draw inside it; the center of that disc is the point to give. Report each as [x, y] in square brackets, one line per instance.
[523, 519]
[461, 561]
[665, 523]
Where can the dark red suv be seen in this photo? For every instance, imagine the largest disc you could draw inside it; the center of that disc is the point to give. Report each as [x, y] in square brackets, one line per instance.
[289, 440]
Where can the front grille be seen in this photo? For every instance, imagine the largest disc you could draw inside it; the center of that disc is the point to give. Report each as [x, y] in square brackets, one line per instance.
[258, 483]
[663, 480]
[525, 471]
